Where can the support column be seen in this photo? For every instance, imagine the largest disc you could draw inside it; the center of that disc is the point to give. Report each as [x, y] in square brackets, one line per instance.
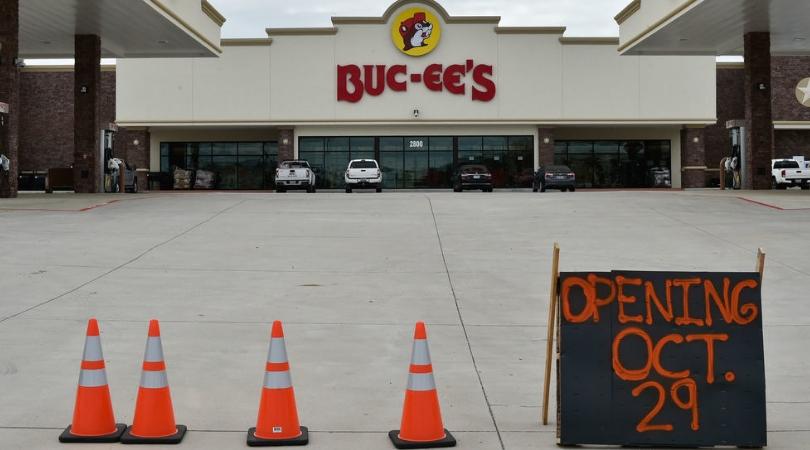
[86, 115]
[286, 144]
[693, 158]
[133, 145]
[10, 86]
[758, 114]
[546, 147]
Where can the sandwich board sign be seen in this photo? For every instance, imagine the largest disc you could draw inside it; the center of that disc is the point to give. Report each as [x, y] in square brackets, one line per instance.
[661, 359]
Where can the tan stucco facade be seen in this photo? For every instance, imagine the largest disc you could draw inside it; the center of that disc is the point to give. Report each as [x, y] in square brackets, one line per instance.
[582, 88]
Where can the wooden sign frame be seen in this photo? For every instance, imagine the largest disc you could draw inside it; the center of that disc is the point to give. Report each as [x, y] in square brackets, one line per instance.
[552, 317]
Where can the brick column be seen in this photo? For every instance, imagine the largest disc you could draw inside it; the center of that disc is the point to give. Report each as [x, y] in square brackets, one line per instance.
[286, 151]
[133, 144]
[546, 151]
[86, 115]
[693, 158]
[758, 114]
[10, 87]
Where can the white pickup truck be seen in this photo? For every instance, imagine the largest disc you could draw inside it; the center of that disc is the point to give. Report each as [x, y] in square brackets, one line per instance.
[363, 173]
[295, 174]
[789, 172]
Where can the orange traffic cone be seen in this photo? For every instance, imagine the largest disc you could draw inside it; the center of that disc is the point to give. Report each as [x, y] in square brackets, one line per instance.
[154, 416]
[278, 417]
[93, 419]
[421, 417]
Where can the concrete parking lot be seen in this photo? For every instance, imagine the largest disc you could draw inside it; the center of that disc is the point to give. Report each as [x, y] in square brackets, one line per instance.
[349, 275]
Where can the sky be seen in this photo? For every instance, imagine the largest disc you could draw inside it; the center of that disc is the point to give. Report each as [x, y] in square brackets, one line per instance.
[250, 18]
[582, 18]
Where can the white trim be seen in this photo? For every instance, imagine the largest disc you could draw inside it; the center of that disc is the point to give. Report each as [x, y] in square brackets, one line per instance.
[791, 125]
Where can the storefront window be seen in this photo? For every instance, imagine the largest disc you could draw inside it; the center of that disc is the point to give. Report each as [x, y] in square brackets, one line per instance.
[391, 144]
[440, 166]
[631, 158]
[362, 147]
[310, 145]
[391, 164]
[411, 162]
[312, 150]
[224, 148]
[470, 150]
[441, 143]
[250, 148]
[521, 160]
[225, 172]
[236, 165]
[470, 143]
[607, 164]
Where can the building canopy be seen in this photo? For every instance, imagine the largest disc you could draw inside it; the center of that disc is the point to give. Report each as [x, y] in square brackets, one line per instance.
[712, 27]
[128, 29]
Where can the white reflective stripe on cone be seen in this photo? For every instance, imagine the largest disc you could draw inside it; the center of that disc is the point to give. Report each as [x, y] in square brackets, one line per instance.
[421, 354]
[421, 382]
[92, 349]
[277, 380]
[154, 350]
[92, 378]
[154, 379]
[277, 352]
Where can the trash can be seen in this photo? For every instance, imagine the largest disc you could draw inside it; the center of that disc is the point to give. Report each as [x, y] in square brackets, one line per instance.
[31, 180]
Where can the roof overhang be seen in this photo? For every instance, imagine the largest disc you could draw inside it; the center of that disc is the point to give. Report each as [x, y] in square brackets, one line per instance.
[712, 27]
[127, 28]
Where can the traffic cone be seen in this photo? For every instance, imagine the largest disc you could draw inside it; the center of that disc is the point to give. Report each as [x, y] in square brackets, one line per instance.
[421, 417]
[93, 419]
[278, 417]
[154, 416]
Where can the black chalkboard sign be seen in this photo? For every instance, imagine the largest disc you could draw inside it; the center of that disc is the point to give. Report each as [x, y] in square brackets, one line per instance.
[661, 359]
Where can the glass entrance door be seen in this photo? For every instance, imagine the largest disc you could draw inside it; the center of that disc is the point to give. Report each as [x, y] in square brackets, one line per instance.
[606, 164]
[631, 158]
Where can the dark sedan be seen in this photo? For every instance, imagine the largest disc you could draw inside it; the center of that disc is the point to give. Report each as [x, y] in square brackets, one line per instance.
[472, 177]
[554, 177]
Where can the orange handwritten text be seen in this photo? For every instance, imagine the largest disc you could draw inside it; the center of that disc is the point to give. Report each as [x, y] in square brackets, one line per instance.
[582, 301]
[653, 357]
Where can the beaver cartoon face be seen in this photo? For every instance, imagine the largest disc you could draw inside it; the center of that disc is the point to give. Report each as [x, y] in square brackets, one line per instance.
[415, 31]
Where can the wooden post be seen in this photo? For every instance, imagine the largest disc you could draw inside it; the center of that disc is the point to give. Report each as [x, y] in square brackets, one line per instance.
[723, 173]
[552, 316]
[121, 179]
[760, 263]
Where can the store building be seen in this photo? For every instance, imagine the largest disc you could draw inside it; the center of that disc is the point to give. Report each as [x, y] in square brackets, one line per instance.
[471, 91]
[423, 92]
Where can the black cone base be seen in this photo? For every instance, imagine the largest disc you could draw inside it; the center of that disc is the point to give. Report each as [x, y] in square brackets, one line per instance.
[448, 441]
[68, 438]
[253, 441]
[175, 438]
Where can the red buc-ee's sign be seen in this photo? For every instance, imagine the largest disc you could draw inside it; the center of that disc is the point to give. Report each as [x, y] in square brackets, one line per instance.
[354, 81]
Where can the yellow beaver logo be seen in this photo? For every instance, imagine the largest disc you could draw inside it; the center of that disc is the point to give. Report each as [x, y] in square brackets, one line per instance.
[416, 32]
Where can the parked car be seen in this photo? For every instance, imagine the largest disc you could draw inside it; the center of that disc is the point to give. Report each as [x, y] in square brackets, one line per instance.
[554, 177]
[363, 173]
[786, 173]
[295, 174]
[472, 177]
